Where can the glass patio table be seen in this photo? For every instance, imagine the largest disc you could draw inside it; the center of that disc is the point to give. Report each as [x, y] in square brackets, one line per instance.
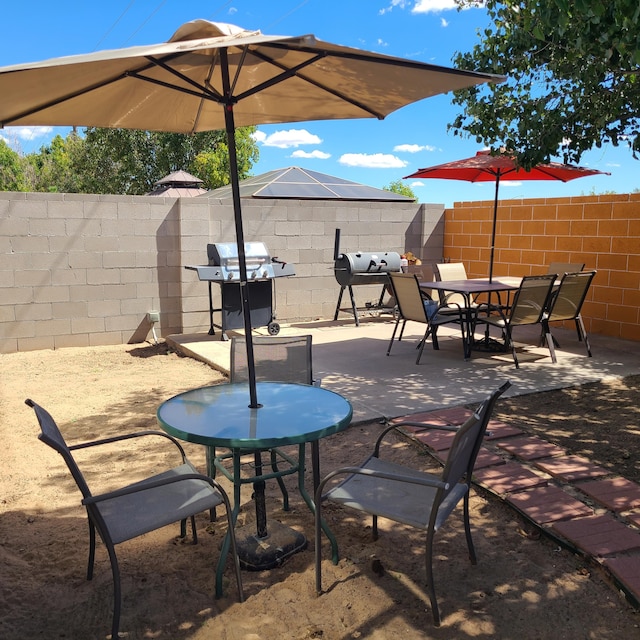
[288, 414]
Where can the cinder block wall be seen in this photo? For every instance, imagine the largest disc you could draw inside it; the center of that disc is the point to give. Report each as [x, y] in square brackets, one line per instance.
[601, 231]
[80, 270]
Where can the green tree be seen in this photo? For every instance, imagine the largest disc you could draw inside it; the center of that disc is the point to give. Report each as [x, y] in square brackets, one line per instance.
[12, 177]
[397, 186]
[131, 161]
[572, 68]
[56, 167]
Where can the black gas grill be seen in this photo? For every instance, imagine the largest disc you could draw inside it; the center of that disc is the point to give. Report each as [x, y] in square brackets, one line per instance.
[360, 268]
[224, 269]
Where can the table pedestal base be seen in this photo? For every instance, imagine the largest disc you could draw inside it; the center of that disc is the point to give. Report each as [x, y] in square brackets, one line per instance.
[257, 554]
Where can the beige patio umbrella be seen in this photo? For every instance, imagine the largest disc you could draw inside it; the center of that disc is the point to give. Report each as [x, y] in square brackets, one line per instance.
[211, 76]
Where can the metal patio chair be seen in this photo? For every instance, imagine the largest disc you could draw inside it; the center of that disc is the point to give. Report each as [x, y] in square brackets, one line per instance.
[457, 271]
[530, 302]
[174, 495]
[415, 306]
[276, 359]
[408, 495]
[566, 304]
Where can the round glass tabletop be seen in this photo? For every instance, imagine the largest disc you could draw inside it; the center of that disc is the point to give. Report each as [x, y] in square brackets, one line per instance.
[220, 415]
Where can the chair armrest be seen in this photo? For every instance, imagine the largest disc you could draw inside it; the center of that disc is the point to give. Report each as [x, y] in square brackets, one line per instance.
[421, 426]
[424, 481]
[144, 486]
[128, 436]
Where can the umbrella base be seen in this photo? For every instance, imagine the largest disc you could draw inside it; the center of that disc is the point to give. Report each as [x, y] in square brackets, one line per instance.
[258, 554]
[489, 345]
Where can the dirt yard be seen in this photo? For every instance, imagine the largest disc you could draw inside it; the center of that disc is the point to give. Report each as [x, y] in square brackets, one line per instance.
[522, 587]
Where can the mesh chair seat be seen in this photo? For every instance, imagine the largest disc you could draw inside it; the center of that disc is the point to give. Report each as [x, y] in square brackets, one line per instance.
[130, 515]
[396, 497]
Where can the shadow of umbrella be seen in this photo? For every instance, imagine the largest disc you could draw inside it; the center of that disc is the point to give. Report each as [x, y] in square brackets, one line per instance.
[212, 76]
[485, 167]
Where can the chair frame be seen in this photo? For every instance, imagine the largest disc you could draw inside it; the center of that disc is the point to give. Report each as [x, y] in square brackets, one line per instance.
[94, 504]
[453, 485]
[524, 310]
[572, 311]
[414, 310]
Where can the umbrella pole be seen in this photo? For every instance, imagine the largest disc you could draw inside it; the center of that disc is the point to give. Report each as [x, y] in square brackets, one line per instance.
[237, 212]
[493, 231]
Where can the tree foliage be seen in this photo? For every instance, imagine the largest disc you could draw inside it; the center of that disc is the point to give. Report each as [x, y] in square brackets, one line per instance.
[131, 161]
[572, 68]
[397, 186]
[123, 161]
[12, 176]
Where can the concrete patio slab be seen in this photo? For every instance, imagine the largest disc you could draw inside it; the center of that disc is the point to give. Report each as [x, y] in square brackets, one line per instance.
[352, 361]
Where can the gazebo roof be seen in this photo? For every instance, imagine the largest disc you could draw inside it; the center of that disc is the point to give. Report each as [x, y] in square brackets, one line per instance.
[178, 184]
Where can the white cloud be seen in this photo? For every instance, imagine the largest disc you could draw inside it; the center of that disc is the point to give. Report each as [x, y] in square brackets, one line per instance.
[286, 139]
[382, 43]
[433, 6]
[28, 133]
[394, 3]
[372, 161]
[413, 148]
[259, 136]
[316, 154]
[443, 22]
[417, 183]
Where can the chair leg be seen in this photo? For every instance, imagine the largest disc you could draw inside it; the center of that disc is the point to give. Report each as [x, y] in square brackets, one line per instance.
[546, 332]
[193, 530]
[92, 549]
[467, 530]
[435, 612]
[117, 591]
[581, 330]
[508, 340]
[393, 336]
[421, 345]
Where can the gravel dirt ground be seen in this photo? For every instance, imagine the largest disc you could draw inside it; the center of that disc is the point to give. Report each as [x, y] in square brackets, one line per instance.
[520, 588]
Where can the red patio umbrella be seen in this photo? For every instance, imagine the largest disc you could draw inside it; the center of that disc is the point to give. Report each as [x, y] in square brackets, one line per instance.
[484, 167]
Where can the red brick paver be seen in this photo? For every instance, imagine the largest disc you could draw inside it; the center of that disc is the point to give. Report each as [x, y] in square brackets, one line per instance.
[571, 468]
[548, 504]
[599, 535]
[497, 430]
[456, 415]
[507, 478]
[617, 494]
[531, 448]
[627, 571]
[435, 439]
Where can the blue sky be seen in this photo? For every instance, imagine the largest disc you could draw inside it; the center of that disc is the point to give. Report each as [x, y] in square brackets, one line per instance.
[368, 151]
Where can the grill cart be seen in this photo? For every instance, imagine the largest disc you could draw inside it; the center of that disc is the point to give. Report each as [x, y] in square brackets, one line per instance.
[224, 270]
